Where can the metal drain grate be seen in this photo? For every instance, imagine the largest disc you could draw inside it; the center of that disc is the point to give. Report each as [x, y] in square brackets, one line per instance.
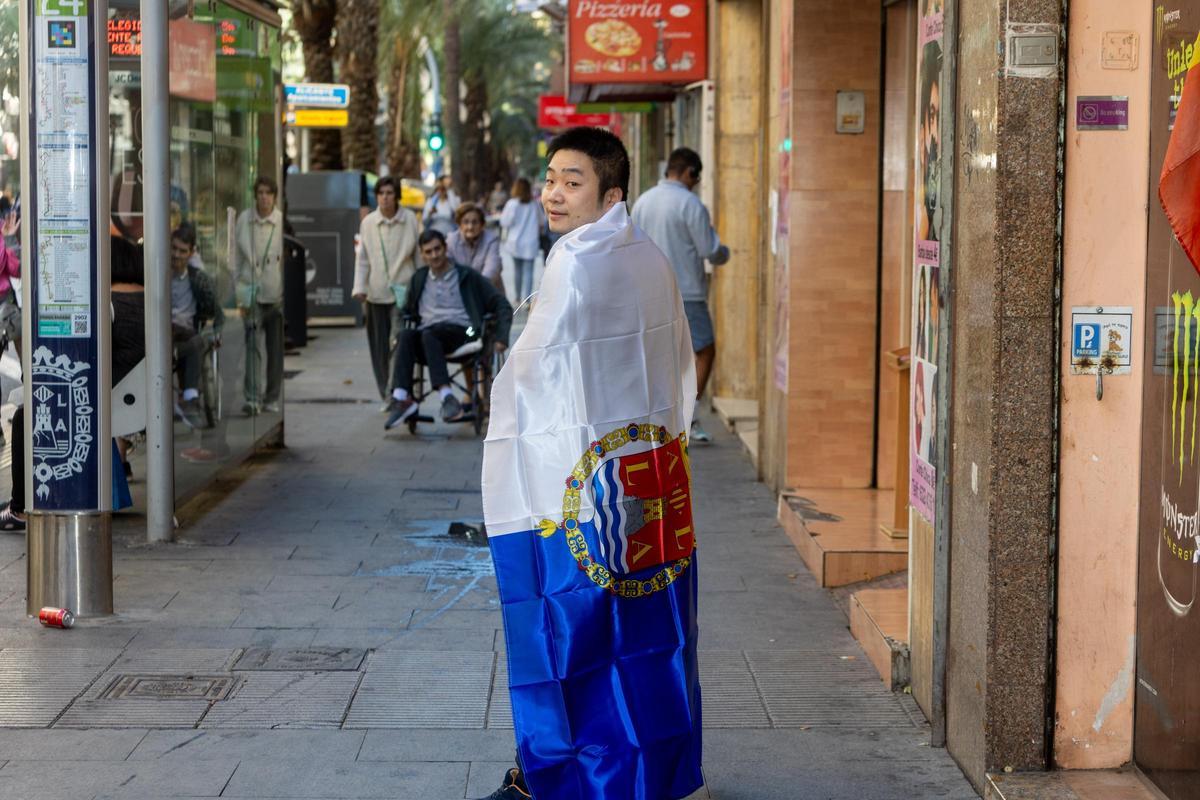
[169, 687]
[311, 659]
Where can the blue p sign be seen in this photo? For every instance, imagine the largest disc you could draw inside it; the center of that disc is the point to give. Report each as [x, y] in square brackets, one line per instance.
[1086, 340]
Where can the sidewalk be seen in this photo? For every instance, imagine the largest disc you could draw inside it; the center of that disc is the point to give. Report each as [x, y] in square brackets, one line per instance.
[329, 637]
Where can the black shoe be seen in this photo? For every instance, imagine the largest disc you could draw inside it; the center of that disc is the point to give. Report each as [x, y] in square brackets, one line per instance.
[513, 788]
[398, 411]
[451, 408]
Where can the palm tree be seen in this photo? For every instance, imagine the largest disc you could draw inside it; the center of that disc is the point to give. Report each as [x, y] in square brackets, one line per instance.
[314, 21]
[357, 46]
[501, 54]
[404, 25]
[452, 74]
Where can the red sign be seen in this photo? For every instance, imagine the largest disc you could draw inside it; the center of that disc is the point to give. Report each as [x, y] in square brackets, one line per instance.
[555, 112]
[638, 41]
[193, 60]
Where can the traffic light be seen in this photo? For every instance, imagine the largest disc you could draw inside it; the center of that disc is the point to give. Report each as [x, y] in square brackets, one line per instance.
[437, 139]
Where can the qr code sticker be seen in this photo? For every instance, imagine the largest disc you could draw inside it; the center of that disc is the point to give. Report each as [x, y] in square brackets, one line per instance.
[79, 325]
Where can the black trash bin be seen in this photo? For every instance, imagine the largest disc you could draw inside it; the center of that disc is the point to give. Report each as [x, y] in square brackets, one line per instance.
[295, 292]
[326, 209]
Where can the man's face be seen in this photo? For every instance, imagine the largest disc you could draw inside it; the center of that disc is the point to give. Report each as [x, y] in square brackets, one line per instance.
[387, 201]
[933, 132]
[434, 253]
[180, 253]
[571, 194]
[471, 226]
[264, 200]
[690, 178]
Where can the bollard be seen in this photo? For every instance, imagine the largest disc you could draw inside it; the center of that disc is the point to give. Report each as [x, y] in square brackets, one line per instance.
[69, 563]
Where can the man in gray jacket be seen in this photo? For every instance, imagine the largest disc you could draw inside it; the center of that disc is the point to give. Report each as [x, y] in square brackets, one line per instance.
[676, 220]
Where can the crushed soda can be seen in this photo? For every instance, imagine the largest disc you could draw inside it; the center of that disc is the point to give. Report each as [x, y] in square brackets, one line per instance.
[56, 617]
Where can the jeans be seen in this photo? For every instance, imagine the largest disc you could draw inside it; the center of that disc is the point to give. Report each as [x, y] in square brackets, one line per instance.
[382, 319]
[269, 318]
[189, 355]
[524, 282]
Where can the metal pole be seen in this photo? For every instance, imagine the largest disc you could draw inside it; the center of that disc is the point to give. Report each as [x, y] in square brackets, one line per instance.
[66, 324]
[156, 191]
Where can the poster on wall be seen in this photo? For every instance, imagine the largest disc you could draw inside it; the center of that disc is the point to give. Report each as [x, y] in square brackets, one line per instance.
[781, 233]
[926, 302]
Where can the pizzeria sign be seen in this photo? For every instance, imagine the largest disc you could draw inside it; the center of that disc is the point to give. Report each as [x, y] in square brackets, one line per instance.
[637, 41]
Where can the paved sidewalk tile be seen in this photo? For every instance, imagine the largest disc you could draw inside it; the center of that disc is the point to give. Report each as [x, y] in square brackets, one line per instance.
[31, 780]
[43, 745]
[248, 745]
[327, 778]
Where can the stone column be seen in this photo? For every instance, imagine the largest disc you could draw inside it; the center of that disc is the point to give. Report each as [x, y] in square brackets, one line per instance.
[1004, 439]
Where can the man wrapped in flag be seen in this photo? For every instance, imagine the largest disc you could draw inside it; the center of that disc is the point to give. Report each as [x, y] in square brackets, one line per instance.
[587, 498]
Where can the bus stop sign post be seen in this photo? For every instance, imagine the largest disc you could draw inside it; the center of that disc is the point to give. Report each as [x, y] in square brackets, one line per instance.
[66, 320]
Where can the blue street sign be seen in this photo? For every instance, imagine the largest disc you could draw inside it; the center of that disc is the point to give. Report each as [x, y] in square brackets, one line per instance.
[317, 95]
[1085, 341]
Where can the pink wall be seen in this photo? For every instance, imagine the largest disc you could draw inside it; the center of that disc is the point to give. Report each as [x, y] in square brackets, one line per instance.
[1104, 264]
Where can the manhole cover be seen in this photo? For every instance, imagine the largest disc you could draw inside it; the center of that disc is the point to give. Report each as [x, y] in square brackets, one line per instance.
[170, 687]
[308, 659]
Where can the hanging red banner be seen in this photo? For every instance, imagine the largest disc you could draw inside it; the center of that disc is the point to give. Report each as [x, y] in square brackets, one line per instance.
[555, 112]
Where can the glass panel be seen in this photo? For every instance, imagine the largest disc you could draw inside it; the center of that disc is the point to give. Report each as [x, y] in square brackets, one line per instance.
[223, 75]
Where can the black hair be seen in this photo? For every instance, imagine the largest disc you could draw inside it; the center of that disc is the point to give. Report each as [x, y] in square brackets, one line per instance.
[126, 264]
[185, 233]
[386, 181]
[269, 182]
[683, 158]
[609, 157]
[429, 235]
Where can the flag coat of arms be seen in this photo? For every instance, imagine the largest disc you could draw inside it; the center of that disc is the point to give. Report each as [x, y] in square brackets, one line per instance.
[587, 499]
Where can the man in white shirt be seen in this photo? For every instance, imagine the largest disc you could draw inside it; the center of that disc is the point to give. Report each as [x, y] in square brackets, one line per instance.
[676, 220]
[387, 242]
[259, 293]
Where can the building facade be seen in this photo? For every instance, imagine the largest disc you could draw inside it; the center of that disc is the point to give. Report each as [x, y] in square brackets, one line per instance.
[944, 219]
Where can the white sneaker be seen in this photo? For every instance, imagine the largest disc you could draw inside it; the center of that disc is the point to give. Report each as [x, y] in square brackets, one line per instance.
[699, 434]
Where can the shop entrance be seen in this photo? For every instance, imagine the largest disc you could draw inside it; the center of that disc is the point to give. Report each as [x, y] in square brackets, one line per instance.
[1167, 707]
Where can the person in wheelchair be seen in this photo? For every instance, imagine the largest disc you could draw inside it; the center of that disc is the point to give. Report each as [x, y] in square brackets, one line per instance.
[445, 307]
[193, 305]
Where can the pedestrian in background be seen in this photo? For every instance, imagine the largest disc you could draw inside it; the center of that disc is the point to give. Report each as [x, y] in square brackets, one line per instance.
[522, 221]
[10, 267]
[193, 305]
[440, 207]
[676, 220]
[259, 294]
[497, 199]
[473, 245]
[387, 244]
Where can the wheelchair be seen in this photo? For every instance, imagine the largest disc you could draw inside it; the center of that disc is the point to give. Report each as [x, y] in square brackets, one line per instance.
[478, 359]
[210, 379]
